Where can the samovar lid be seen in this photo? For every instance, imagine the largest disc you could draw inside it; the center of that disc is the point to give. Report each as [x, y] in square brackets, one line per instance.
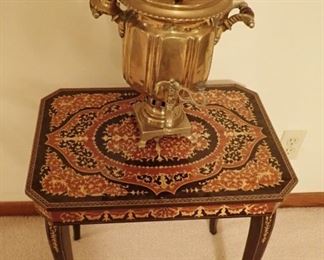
[186, 10]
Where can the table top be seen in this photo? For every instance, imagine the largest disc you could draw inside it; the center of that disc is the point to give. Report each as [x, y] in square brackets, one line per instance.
[85, 158]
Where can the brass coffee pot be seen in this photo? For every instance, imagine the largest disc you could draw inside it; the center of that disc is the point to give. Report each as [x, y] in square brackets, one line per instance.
[167, 54]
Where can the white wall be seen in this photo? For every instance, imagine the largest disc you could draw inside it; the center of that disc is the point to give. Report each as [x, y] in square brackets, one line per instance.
[45, 45]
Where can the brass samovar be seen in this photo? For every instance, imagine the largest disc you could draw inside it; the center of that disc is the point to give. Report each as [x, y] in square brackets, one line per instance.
[167, 54]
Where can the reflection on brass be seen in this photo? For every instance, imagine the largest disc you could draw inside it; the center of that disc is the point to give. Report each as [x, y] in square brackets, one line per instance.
[167, 53]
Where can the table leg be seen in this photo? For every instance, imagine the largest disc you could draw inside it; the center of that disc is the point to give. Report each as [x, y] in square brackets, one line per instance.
[258, 237]
[59, 241]
[76, 232]
[213, 226]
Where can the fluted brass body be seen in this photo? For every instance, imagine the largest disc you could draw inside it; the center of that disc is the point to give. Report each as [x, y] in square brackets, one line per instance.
[167, 51]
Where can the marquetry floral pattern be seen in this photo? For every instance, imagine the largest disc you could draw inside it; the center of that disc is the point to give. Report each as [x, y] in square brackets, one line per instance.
[262, 171]
[60, 179]
[268, 224]
[53, 234]
[64, 106]
[122, 215]
[123, 138]
[233, 100]
[239, 135]
[105, 140]
[91, 149]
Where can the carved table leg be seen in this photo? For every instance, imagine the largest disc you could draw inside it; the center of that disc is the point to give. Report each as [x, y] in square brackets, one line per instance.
[59, 240]
[258, 237]
[76, 232]
[213, 226]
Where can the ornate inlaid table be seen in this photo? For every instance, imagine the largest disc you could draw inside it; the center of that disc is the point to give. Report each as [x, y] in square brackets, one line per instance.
[87, 166]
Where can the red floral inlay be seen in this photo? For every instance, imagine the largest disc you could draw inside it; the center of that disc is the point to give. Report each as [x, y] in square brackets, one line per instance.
[123, 138]
[148, 213]
[104, 139]
[63, 106]
[233, 100]
[62, 180]
[258, 173]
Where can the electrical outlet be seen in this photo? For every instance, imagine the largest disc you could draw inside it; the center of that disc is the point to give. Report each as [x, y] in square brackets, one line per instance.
[291, 141]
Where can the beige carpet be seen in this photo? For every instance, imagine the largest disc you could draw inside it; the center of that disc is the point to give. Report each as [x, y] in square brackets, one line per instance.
[298, 234]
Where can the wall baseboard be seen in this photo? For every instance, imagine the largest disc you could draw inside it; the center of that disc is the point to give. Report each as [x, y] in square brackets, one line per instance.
[306, 199]
[293, 200]
[17, 208]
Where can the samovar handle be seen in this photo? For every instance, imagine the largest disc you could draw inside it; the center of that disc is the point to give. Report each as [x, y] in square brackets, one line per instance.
[245, 15]
[109, 7]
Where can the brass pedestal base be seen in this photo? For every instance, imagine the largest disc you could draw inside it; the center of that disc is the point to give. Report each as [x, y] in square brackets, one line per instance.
[148, 131]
